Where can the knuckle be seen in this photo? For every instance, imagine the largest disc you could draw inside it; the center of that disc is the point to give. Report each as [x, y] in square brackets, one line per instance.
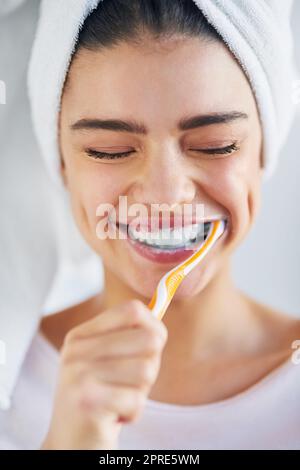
[134, 304]
[136, 311]
[152, 341]
[161, 331]
[136, 316]
[145, 373]
[149, 373]
[164, 331]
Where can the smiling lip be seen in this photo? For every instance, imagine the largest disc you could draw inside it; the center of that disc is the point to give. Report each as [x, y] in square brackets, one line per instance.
[163, 256]
[152, 254]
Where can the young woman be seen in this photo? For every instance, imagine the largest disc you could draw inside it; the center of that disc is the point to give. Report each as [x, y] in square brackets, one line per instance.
[217, 371]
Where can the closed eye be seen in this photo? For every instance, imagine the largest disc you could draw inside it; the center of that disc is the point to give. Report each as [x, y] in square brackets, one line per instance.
[108, 156]
[219, 150]
[114, 156]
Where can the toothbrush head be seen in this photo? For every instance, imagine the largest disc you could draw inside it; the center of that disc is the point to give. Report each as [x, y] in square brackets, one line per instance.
[170, 282]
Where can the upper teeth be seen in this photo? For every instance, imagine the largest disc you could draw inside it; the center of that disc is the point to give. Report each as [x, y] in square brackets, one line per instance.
[168, 236]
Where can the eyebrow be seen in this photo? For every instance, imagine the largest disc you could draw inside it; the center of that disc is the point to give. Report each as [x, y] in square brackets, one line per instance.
[135, 127]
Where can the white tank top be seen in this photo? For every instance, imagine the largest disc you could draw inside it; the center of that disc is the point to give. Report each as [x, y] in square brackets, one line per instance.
[265, 416]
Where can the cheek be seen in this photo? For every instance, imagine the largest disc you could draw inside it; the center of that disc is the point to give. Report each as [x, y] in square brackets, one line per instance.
[236, 187]
[91, 185]
[101, 193]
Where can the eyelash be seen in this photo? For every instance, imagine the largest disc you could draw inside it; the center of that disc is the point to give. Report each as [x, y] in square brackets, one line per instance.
[114, 156]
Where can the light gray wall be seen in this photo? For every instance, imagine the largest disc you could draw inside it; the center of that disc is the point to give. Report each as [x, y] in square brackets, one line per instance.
[267, 264]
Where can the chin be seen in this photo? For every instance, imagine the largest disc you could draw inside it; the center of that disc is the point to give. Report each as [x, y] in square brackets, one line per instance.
[192, 285]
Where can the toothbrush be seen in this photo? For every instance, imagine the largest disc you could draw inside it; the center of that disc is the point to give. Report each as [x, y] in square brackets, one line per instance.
[169, 283]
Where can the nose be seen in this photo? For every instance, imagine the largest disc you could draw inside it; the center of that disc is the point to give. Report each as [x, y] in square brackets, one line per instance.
[164, 178]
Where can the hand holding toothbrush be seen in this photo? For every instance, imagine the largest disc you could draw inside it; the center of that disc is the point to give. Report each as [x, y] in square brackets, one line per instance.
[110, 363]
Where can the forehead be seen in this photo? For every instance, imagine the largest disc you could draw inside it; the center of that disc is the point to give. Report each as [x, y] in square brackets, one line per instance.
[157, 83]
